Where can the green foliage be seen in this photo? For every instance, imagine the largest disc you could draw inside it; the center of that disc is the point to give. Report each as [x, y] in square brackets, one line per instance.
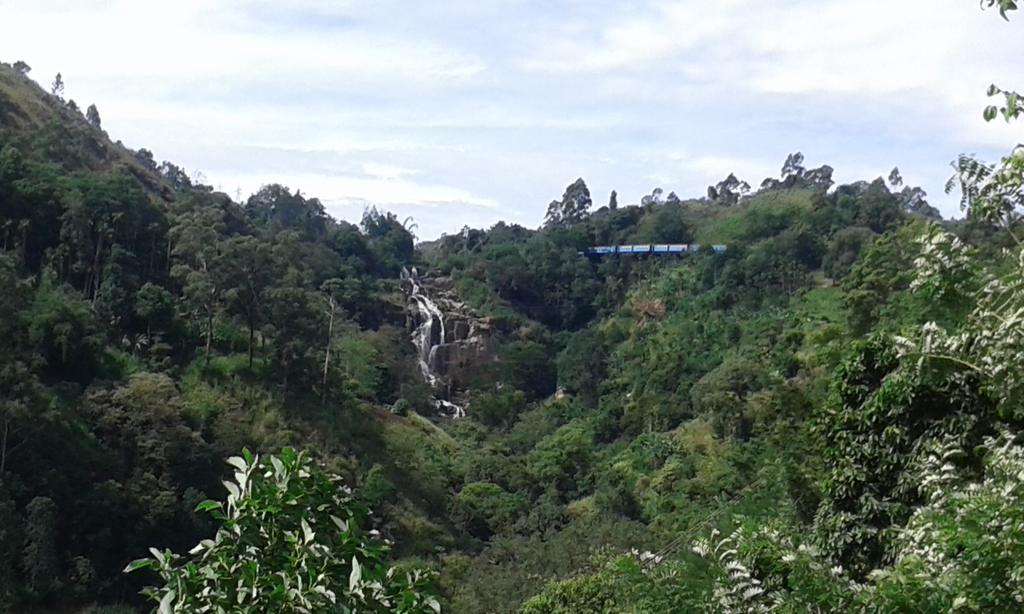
[42, 567]
[582, 365]
[563, 459]
[292, 538]
[723, 394]
[874, 290]
[572, 208]
[827, 393]
[844, 250]
[498, 409]
[485, 508]
[63, 330]
[528, 366]
[1005, 6]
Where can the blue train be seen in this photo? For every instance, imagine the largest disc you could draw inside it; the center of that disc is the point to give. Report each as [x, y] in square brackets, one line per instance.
[677, 249]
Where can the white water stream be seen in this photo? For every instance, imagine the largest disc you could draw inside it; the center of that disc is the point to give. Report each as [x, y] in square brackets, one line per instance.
[429, 334]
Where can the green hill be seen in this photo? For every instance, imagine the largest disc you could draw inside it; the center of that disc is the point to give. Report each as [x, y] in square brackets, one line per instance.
[821, 417]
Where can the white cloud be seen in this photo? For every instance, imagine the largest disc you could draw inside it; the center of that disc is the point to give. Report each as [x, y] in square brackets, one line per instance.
[386, 171]
[436, 208]
[465, 109]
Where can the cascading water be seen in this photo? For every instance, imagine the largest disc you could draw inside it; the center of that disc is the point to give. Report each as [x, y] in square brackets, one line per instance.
[428, 336]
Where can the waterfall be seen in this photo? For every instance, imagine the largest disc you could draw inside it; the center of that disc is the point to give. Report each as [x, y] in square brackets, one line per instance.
[427, 337]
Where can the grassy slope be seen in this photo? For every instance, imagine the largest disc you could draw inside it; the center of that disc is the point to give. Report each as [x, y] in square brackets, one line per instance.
[26, 110]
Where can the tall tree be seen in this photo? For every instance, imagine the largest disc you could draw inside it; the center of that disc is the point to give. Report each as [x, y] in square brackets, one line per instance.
[57, 88]
[246, 272]
[572, 208]
[92, 115]
[329, 290]
[197, 246]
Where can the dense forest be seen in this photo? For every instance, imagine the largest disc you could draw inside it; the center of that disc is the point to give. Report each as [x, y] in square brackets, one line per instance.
[211, 405]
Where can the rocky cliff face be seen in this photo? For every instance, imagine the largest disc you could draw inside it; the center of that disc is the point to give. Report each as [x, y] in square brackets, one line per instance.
[452, 343]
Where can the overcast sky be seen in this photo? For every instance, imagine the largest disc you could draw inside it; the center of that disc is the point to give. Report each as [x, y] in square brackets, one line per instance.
[464, 112]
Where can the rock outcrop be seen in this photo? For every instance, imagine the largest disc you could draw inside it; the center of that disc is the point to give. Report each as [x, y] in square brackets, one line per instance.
[452, 342]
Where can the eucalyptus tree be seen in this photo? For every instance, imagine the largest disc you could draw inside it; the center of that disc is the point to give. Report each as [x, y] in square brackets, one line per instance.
[246, 271]
[198, 244]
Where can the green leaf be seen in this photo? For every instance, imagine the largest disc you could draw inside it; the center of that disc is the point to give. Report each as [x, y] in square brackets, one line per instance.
[138, 564]
[355, 576]
[307, 531]
[165, 603]
[1011, 105]
[278, 465]
[208, 505]
[239, 463]
[233, 490]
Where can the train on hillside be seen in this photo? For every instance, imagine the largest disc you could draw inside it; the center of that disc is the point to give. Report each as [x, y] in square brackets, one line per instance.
[676, 248]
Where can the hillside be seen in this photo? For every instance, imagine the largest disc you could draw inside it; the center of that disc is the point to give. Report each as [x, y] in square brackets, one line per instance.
[822, 416]
[152, 328]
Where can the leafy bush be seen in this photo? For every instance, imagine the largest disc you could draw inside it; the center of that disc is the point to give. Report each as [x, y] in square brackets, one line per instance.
[291, 539]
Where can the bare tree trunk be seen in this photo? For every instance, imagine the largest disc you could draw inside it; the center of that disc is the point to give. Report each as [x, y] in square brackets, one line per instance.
[152, 254]
[24, 243]
[3, 448]
[209, 335]
[96, 269]
[327, 353]
[252, 336]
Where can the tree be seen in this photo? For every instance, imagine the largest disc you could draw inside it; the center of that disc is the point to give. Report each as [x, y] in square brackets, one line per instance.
[292, 539]
[329, 290]
[22, 67]
[246, 272]
[895, 178]
[145, 158]
[277, 207]
[57, 88]
[92, 115]
[582, 365]
[42, 566]
[844, 249]
[63, 330]
[729, 191]
[795, 175]
[499, 408]
[613, 201]
[722, 395]
[913, 200]
[197, 245]
[654, 198]
[572, 208]
[563, 459]
[155, 306]
[527, 366]
[11, 536]
[485, 508]
[295, 322]
[390, 242]
[793, 166]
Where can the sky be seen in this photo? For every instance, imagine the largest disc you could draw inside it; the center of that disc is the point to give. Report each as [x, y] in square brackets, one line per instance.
[466, 112]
